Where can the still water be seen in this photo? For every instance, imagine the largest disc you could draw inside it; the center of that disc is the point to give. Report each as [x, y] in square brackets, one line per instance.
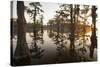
[51, 47]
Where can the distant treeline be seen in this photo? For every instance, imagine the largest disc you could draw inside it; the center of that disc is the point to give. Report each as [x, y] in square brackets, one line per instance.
[65, 27]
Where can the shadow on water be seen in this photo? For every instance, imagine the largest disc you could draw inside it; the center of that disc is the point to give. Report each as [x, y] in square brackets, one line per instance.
[35, 47]
[64, 53]
[36, 51]
[81, 52]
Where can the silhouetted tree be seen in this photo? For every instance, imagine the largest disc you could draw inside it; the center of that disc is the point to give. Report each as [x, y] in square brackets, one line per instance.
[77, 10]
[72, 35]
[22, 54]
[41, 22]
[93, 36]
[11, 20]
[34, 12]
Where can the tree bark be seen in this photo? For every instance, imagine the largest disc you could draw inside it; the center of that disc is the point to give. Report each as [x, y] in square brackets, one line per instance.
[93, 36]
[72, 27]
[22, 54]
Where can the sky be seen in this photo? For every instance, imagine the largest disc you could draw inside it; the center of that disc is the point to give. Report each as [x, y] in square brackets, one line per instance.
[49, 11]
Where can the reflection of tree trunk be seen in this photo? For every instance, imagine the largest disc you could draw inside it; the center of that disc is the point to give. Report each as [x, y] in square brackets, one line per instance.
[57, 30]
[42, 28]
[77, 23]
[34, 27]
[93, 36]
[42, 24]
[72, 29]
[22, 53]
[11, 20]
[11, 42]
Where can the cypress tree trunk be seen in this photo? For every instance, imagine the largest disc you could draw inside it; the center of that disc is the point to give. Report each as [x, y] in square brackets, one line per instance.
[41, 23]
[72, 28]
[11, 20]
[93, 36]
[34, 27]
[22, 54]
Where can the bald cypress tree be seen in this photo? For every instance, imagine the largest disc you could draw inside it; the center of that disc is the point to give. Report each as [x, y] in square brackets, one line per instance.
[93, 36]
[22, 54]
[72, 37]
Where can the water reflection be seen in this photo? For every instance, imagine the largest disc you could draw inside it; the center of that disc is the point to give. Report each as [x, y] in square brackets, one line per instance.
[81, 51]
[36, 51]
[51, 46]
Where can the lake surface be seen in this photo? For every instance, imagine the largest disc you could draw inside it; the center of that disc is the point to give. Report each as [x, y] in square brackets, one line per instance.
[50, 47]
